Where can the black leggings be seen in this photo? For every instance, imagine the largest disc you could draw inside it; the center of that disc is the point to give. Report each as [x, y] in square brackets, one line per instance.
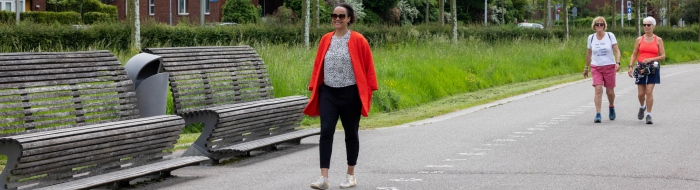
[344, 103]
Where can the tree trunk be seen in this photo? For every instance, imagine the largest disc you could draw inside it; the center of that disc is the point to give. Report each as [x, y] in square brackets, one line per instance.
[453, 8]
[427, 11]
[441, 12]
[503, 12]
[306, 21]
[699, 22]
[638, 4]
[135, 24]
[316, 12]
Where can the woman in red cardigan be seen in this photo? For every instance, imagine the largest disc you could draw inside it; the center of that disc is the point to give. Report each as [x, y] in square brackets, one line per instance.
[341, 83]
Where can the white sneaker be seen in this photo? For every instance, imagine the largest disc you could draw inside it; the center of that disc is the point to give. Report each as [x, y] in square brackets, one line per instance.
[321, 183]
[349, 182]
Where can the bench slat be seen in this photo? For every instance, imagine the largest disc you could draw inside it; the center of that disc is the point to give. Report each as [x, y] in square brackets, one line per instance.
[259, 113]
[130, 173]
[230, 77]
[66, 100]
[208, 61]
[240, 128]
[66, 88]
[90, 133]
[243, 147]
[60, 76]
[61, 71]
[68, 113]
[224, 100]
[233, 69]
[54, 56]
[98, 143]
[74, 158]
[64, 82]
[223, 93]
[212, 91]
[39, 170]
[62, 94]
[211, 66]
[208, 53]
[59, 65]
[68, 120]
[55, 53]
[213, 85]
[214, 75]
[67, 60]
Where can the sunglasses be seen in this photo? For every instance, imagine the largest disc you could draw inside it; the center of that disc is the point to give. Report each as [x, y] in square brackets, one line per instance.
[341, 16]
[647, 25]
[599, 24]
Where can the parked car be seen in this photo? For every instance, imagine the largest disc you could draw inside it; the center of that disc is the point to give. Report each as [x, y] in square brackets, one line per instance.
[530, 25]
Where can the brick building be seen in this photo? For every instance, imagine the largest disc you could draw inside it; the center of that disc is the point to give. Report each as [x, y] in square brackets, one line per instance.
[161, 10]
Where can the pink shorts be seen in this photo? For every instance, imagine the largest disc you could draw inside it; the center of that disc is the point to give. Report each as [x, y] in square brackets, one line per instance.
[603, 75]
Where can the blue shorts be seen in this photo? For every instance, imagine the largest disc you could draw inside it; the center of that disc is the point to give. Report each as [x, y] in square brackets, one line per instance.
[649, 79]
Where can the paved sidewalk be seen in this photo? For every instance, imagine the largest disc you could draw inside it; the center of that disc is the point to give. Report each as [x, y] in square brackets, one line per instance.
[545, 141]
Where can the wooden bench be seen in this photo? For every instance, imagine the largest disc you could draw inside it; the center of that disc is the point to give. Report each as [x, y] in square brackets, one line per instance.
[70, 121]
[229, 90]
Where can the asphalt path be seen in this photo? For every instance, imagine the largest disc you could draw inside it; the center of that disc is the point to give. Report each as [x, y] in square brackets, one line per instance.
[544, 141]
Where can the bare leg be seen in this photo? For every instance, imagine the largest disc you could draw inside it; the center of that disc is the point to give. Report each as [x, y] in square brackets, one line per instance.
[324, 172]
[650, 96]
[641, 93]
[611, 96]
[351, 170]
[598, 97]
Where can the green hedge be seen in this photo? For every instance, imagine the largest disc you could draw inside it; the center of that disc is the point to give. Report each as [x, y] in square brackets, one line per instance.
[115, 35]
[42, 17]
[97, 17]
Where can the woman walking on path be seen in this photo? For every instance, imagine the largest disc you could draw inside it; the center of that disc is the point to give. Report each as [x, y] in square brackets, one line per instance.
[603, 65]
[650, 49]
[342, 82]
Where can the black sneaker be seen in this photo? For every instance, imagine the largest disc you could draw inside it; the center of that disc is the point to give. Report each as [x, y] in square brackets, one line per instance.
[640, 115]
[597, 118]
[649, 119]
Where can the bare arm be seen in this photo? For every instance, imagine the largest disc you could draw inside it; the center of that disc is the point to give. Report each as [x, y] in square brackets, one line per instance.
[617, 56]
[633, 59]
[588, 63]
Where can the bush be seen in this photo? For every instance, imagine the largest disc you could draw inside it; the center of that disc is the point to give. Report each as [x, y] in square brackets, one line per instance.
[239, 11]
[285, 15]
[97, 17]
[42, 17]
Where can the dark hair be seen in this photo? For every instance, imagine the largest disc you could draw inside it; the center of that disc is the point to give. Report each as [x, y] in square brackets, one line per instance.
[351, 12]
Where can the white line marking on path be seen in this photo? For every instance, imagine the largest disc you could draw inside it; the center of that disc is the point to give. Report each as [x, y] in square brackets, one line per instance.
[535, 129]
[473, 154]
[439, 166]
[388, 188]
[482, 149]
[525, 133]
[515, 136]
[405, 180]
[504, 140]
[493, 144]
[431, 172]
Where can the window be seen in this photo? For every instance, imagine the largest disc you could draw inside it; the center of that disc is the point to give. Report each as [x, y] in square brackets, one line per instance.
[182, 7]
[151, 7]
[206, 7]
[9, 5]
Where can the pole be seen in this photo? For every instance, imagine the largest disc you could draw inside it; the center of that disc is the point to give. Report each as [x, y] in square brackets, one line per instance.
[17, 11]
[306, 23]
[441, 13]
[171, 12]
[135, 24]
[486, 12]
[622, 13]
[201, 12]
[453, 6]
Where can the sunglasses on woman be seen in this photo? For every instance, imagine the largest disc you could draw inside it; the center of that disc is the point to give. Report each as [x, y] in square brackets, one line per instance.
[599, 24]
[341, 16]
[647, 25]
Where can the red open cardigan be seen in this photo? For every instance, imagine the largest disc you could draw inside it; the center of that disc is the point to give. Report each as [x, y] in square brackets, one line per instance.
[362, 63]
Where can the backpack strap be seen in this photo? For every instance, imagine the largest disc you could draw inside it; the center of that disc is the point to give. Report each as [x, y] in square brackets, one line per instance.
[609, 38]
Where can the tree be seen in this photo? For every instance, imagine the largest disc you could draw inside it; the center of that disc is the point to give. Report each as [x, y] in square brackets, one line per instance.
[613, 14]
[316, 12]
[548, 21]
[427, 11]
[306, 22]
[380, 6]
[239, 11]
[441, 12]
